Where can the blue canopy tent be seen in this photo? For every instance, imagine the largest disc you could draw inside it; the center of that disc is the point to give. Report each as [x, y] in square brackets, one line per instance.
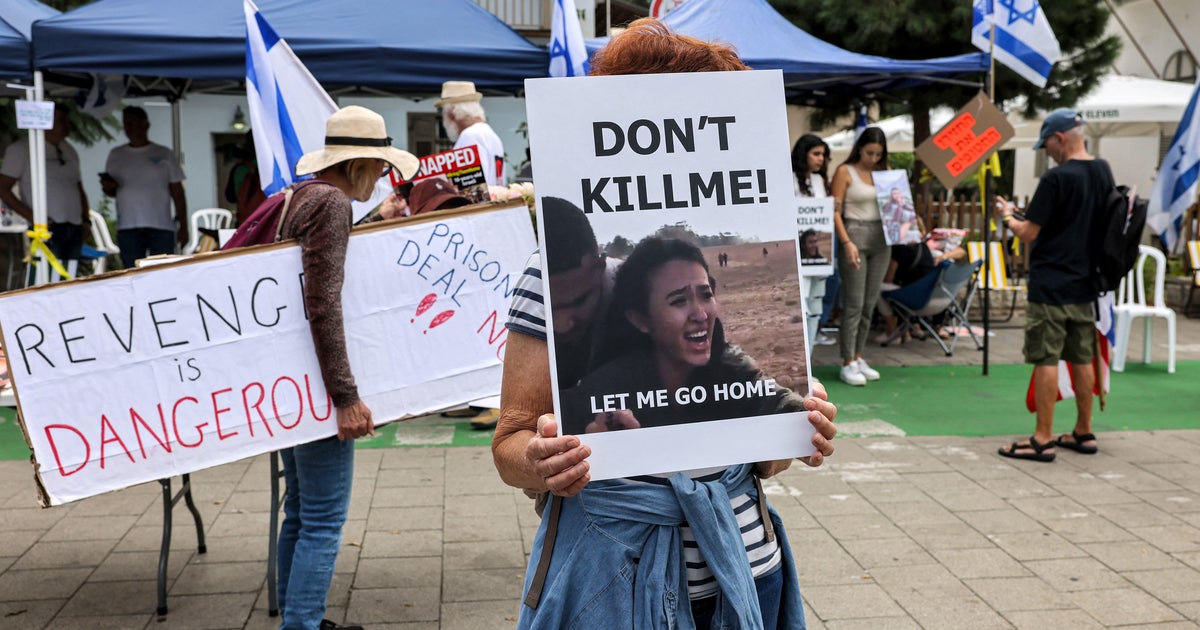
[390, 45]
[766, 40]
[16, 20]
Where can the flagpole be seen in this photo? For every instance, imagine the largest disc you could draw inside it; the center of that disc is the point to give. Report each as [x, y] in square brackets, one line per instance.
[984, 206]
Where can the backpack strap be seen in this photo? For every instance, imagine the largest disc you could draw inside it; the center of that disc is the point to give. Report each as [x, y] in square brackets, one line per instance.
[539, 576]
[287, 202]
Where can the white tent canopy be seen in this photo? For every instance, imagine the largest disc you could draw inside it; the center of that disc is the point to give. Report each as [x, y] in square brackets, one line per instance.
[898, 129]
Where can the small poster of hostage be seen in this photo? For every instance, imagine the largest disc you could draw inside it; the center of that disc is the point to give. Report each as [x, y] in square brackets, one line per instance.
[671, 269]
[461, 166]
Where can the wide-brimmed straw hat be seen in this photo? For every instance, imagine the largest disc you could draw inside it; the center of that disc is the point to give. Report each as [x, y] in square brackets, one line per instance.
[357, 132]
[458, 92]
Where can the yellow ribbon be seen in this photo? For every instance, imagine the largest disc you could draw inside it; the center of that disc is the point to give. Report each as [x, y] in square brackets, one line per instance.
[991, 164]
[37, 243]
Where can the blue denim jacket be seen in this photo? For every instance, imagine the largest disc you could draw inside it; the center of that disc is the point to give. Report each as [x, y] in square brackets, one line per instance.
[618, 558]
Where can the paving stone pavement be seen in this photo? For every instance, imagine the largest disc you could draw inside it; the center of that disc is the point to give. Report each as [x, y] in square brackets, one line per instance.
[933, 532]
[929, 532]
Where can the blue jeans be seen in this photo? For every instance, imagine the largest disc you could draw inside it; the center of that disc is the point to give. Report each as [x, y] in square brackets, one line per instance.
[319, 476]
[770, 589]
[138, 243]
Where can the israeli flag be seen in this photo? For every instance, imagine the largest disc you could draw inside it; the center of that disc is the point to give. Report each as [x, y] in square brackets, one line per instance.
[568, 56]
[1178, 177]
[1024, 41]
[288, 108]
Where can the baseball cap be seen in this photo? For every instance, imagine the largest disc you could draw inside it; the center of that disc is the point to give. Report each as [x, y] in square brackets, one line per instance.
[435, 193]
[1058, 121]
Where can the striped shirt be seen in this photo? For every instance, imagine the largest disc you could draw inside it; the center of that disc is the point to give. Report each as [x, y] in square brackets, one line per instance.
[527, 315]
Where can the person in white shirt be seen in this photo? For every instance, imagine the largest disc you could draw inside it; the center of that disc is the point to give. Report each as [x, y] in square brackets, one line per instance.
[66, 203]
[145, 178]
[466, 124]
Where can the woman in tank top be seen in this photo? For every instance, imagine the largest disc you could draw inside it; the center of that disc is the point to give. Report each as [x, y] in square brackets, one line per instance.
[864, 255]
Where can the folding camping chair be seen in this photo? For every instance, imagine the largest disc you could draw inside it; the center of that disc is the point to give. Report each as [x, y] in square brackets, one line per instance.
[937, 292]
[996, 273]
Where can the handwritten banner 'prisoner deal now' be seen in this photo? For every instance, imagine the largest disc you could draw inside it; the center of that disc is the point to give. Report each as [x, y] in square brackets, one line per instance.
[172, 369]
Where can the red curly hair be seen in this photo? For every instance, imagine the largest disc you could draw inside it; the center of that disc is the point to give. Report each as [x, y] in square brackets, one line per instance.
[647, 46]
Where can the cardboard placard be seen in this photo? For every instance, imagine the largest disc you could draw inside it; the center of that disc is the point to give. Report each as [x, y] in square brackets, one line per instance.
[957, 149]
[697, 157]
[155, 372]
[35, 114]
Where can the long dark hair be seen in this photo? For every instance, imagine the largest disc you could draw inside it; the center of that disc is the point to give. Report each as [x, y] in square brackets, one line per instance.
[631, 292]
[804, 145]
[868, 136]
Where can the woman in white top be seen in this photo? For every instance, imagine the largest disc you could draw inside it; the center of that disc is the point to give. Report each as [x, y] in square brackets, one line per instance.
[810, 159]
[864, 254]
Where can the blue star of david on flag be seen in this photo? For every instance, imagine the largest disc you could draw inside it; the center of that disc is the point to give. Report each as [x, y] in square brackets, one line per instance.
[1015, 14]
[568, 56]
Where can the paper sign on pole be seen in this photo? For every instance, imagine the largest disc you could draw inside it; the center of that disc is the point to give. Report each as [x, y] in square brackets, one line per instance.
[146, 374]
[698, 374]
[957, 149]
[35, 114]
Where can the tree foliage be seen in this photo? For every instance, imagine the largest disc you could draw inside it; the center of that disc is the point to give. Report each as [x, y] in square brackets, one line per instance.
[919, 29]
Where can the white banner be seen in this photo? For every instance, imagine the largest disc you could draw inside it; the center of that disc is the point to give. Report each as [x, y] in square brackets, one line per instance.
[703, 158]
[166, 370]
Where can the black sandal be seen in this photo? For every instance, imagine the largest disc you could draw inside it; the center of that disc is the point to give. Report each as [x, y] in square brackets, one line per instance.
[1078, 445]
[1038, 454]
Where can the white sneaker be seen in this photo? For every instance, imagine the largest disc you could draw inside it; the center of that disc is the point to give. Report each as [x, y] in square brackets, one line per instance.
[867, 371]
[851, 376]
[821, 339]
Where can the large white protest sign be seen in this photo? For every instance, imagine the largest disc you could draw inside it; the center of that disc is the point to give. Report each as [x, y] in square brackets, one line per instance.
[697, 373]
[166, 370]
[814, 221]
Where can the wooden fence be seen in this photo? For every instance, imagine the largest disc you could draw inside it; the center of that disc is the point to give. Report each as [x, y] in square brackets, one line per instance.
[965, 213]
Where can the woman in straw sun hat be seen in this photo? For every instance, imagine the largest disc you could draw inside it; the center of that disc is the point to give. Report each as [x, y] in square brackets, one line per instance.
[357, 153]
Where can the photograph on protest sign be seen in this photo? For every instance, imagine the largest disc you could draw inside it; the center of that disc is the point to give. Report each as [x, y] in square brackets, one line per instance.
[671, 268]
[165, 370]
[815, 225]
[896, 207]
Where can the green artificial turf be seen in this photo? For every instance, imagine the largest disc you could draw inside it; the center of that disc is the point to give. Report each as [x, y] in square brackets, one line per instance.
[923, 400]
[958, 400]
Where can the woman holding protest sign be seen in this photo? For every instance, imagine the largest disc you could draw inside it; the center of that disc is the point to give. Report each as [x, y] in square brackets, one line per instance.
[663, 332]
[864, 254]
[357, 153]
[810, 165]
[611, 554]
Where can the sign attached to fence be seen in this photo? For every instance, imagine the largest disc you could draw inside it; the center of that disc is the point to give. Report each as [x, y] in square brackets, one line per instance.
[956, 150]
[146, 374]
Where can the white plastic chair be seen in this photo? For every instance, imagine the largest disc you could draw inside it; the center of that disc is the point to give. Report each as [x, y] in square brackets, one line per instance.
[1131, 303]
[209, 218]
[103, 241]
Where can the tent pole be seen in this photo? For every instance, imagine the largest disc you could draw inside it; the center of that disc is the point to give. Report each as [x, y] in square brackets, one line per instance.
[177, 129]
[37, 183]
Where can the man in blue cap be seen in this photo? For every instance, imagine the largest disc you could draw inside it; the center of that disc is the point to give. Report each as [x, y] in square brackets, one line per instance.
[1060, 320]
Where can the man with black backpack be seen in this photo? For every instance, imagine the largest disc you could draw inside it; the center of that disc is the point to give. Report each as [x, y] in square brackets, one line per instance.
[1061, 224]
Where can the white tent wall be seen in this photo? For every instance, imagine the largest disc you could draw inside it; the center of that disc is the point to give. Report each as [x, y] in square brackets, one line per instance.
[1153, 33]
[206, 114]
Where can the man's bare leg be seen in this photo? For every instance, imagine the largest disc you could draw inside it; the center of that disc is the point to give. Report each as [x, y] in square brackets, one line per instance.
[1045, 394]
[1085, 383]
